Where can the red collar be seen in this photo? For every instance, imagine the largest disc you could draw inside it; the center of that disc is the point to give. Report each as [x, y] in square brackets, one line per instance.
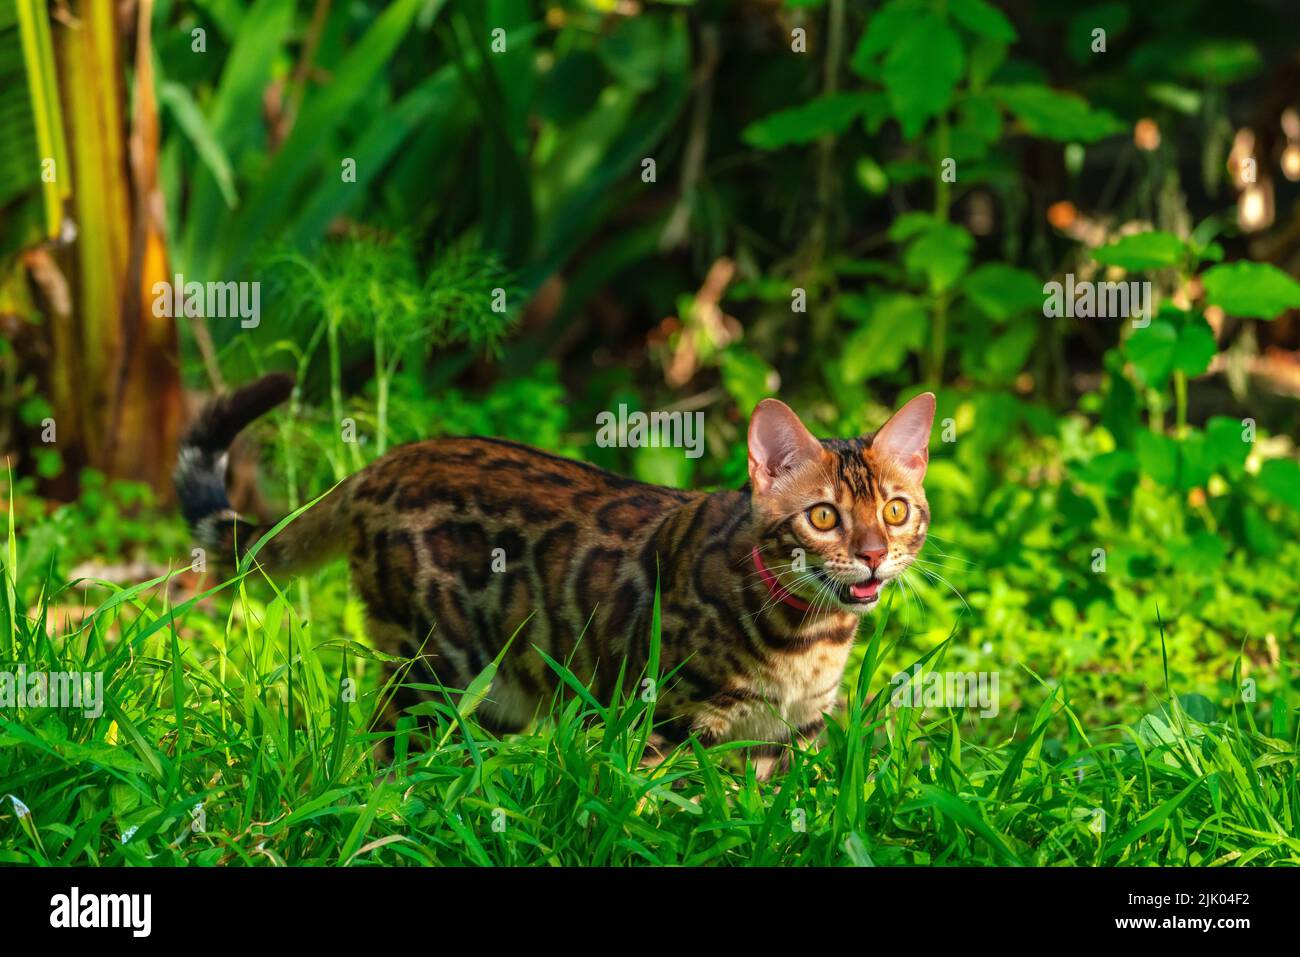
[774, 587]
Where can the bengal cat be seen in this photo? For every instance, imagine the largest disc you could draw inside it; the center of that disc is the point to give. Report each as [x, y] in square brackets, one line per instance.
[453, 543]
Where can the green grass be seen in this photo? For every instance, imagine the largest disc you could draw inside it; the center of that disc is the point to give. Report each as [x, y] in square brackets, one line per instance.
[234, 705]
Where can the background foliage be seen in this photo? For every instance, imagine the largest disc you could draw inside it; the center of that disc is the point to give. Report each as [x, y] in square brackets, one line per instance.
[692, 206]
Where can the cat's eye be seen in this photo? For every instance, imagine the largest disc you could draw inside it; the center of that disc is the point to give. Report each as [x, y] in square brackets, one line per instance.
[895, 511]
[823, 517]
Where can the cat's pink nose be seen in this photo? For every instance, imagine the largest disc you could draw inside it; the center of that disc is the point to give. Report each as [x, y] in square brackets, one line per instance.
[873, 556]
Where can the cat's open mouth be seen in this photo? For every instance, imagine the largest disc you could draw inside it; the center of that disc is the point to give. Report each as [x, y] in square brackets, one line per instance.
[857, 593]
[862, 592]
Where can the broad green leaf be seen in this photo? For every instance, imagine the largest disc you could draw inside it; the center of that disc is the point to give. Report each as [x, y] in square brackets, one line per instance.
[1281, 479]
[1000, 291]
[1250, 290]
[1207, 550]
[1195, 347]
[1195, 461]
[906, 226]
[1153, 250]
[940, 253]
[895, 326]
[884, 29]
[978, 118]
[746, 377]
[1219, 60]
[1151, 351]
[986, 56]
[1259, 531]
[633, 52]
[1056, 115]
[1157, 457]
[1200, 62]
[921, 71]
[982, 18]
[804, 124]
[1007, 354]
[1225, 442]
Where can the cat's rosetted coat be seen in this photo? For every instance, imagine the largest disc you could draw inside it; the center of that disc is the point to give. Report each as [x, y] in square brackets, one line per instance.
[453, 543]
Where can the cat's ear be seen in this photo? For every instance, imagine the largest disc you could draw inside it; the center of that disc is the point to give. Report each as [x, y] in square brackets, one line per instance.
[778, 443]
[905, 438]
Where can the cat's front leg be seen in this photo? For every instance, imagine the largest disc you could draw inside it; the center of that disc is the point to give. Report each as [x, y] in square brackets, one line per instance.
[776, 759]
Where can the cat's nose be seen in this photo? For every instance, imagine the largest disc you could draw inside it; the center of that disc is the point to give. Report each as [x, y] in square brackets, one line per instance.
[873, 556]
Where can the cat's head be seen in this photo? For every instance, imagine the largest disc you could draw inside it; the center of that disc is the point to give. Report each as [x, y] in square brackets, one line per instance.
[839, 518]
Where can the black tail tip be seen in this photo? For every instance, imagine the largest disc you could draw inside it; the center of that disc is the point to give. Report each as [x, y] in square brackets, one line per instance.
[225, 416]
[269, 391]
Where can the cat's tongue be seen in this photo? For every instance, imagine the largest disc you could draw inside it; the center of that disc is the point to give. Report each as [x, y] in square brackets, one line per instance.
[865, 590]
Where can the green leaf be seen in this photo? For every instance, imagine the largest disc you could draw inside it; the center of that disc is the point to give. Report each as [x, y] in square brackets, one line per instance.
[907, 225]
[1000, 291]
[895, 326]
[424, 108]
[1196, 461]
[1195, 347]
[262, 31]
[322, 114]
[1219, 60]
[804, 124]
[1170, 343]
[870, 176]
[982, 18]
[1055, 115]
[195, 126]
[1157, 457]
[884, 29]
[1179, 98]
[633, 52]
[978, 119]
[1280, 478]
[1005, 356]
[986, 56]
[1250, 290]
[1207, 550]
[940, 253]
[1151, 351]
[746, 377]
[1153, 250]
[1225, 444]
[1259, 531]
[921, 71]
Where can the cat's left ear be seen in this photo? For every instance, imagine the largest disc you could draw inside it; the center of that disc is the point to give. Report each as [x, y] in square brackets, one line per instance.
[905, 438]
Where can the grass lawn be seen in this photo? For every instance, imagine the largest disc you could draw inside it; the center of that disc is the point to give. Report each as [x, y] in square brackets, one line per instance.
[234, 731]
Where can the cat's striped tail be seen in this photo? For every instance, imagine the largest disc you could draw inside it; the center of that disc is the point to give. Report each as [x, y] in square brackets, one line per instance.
[200, 479]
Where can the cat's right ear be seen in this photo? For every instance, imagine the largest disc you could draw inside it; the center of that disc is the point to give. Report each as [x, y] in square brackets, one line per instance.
[778, 444]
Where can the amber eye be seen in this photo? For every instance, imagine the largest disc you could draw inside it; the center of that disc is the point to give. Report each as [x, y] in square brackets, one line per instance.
[895, 511]
[823, 517]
